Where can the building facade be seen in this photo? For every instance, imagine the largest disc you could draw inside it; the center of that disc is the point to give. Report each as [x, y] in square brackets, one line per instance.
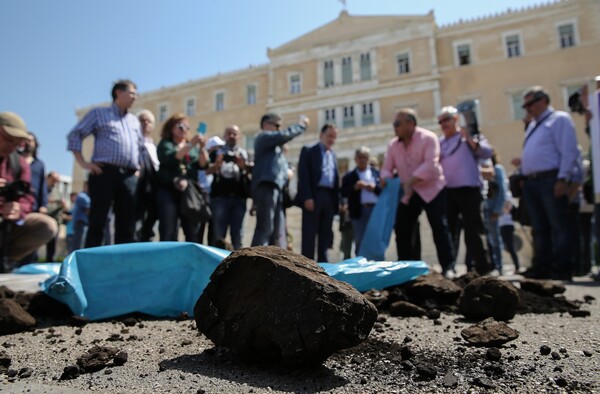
[357, 71]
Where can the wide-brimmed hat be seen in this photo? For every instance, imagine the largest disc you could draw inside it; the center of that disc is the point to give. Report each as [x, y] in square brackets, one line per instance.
[13, 124]
[214, 142]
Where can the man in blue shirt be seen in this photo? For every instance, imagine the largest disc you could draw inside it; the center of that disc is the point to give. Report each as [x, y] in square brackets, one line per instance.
[548, 161]
[269, 175]
[318, 189]
[115, 163]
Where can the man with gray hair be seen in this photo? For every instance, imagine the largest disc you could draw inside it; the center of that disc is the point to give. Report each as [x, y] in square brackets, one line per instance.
[270, 174]
[459, 157]
[361, 187]
[548, 162]
[146, 203]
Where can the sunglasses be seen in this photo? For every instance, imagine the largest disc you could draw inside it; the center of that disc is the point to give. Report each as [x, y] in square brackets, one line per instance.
[183, 126]
[444, 120]
[530, 102]
[277, 125]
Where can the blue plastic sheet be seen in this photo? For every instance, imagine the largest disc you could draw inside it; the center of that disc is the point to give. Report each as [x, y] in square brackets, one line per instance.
[381, 223]
[365, 275]
[167, 278]
[159, 279]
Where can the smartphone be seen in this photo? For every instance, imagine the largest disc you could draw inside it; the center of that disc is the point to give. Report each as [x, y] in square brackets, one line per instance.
[201, 128]
[468, 116]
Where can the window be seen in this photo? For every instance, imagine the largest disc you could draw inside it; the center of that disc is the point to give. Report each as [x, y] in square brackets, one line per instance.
[513, 45]
[163, 112]
[219, 101]
[463, 54]
[367, 114]
[295, 84]
[328, 73]
[190, 107]
[347, 70]
[365, 66]
[348, 116]
[249, 141]
[517, 103]
[330, 115]
[251, 94]
[403, 63]
[566, 35]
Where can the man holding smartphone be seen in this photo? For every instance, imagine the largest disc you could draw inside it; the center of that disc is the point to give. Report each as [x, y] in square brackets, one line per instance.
[230, 187]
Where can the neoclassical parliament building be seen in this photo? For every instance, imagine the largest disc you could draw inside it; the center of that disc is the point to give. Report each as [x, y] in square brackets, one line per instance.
[357, 71]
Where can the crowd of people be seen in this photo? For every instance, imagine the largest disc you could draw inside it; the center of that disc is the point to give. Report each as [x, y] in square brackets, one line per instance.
[455, 178]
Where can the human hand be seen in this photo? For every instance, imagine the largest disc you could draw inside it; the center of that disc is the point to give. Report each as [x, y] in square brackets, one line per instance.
[93, 168]
[560, 188]
[516, 161]
[11, 210]
[309, 205]
[304, 121]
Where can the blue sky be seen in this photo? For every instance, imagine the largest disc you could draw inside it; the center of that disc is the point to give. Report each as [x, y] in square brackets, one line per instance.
[58, 55]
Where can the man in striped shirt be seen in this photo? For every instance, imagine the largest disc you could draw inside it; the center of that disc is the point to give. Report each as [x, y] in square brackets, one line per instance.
[114, 165]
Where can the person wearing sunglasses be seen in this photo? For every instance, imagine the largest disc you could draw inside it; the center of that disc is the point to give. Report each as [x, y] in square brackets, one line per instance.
[415, 154]
[180, 158]
[548, 161]
[114, 165]
[460, 154]
[269, 177]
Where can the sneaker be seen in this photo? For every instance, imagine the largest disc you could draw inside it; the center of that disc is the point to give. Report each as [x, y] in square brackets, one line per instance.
[450, 274]
[495, 273]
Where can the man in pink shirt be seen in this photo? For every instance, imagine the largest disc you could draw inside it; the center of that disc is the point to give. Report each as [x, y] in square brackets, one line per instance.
[414, 153]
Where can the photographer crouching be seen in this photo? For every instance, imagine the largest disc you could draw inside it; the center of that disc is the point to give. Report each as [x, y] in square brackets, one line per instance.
[21, 231]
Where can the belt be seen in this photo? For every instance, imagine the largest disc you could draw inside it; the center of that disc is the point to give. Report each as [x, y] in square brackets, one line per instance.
[542, 174]
[122, 170]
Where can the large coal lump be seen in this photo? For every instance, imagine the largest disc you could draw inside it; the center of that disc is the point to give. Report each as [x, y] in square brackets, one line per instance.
[269, 304]
[489, 297]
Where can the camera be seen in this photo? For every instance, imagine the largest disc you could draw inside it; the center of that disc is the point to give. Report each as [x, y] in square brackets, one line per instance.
[468, 116]
[228, 155]
[575, 104]
[14, 190]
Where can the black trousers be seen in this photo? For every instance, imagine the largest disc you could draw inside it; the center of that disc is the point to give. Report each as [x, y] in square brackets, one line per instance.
[407, 217]
[466, 202]
[317, 224]
[117, 187]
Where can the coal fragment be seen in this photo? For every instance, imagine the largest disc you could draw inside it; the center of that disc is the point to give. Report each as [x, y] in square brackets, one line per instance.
[406, 309]
[426, 371]
[406, 353]
[545, 350]
[579, 313]
[493, 354]
[489, 297]
[120, 358]
[489, 333]
[450, 380]
[483, 382]
[70, 372]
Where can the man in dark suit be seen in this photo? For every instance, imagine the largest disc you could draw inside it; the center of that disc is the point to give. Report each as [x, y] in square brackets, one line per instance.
[361, 187]
[318, 187]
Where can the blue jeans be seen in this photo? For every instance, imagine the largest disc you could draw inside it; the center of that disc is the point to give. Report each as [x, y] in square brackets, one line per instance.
[80, 229]
[228, 212]
[167, 206]
[360, 225]
[268, 201]
[550, 226]
[494, 240]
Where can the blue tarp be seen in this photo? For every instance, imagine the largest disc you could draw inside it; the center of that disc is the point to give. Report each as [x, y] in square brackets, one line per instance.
[381, 223]
[167, 278]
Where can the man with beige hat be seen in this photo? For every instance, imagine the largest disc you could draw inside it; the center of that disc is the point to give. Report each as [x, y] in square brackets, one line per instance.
[26, 230]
